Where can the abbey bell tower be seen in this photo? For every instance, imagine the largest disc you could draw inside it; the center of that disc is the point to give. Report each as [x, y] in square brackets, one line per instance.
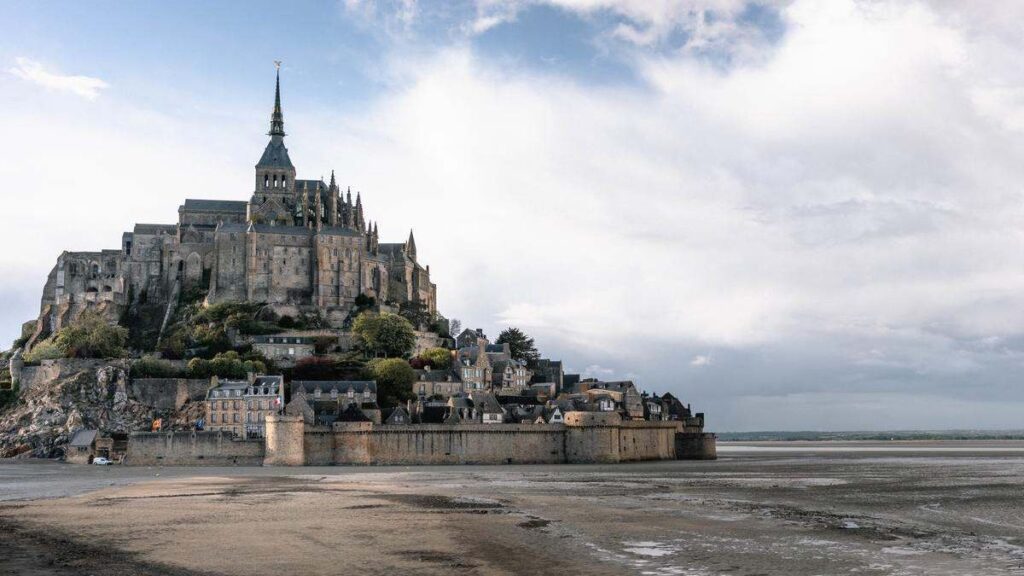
[275, 174]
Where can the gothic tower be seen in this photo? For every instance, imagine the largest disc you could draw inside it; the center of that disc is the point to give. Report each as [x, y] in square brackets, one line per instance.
[275, 174]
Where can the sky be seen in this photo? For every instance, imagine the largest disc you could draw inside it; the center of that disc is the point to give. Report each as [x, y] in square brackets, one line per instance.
[793, 215]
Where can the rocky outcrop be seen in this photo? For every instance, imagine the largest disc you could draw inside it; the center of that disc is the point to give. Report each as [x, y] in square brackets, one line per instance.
[61, 396]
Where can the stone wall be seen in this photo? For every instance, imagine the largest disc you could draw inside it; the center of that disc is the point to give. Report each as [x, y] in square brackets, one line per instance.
[192, 449]
[696, 446]
[585, 438]
[168, 393]
[365, 443]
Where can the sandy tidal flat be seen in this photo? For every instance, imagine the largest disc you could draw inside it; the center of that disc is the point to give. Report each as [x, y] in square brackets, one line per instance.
[754, 512]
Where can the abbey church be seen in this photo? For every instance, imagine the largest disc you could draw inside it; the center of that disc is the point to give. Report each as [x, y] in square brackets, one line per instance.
[297, 245]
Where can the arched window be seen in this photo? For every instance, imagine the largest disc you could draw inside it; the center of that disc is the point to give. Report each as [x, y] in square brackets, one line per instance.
[266, 183]
[283, 181]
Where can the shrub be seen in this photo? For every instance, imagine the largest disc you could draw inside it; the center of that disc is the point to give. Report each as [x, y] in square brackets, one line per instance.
[92, 337]
[225, 365]
[286, 321]
[150, 367]
[198, 368]
[45, 350]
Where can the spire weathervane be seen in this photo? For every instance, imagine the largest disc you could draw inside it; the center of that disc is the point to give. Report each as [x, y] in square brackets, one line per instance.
[277, 118]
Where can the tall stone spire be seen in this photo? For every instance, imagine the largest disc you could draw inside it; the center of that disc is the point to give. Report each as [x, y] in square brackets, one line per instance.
[277, 118]
[334, 183]
[410, 246]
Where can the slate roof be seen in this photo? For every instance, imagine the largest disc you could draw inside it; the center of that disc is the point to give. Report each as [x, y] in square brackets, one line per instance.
[309, 386]
[486, 403]
[398, 416]
[228, 206]
[432, 414]
[155, 229]
[275, 155]
[83, 438]
[352, 414]
[437, 376]
[288, 230]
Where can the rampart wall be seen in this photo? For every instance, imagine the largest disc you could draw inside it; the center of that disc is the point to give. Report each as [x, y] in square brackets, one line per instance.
[192, 449]
[584, 438]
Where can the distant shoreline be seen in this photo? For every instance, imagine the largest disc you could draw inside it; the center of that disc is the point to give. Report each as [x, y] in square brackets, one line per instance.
[882, 436]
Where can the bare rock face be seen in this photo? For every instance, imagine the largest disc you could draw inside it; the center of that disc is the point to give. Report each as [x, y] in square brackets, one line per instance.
[66, 395]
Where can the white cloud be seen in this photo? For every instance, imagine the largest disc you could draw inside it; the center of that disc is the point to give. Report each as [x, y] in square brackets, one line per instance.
[701, 360]
[32, 71]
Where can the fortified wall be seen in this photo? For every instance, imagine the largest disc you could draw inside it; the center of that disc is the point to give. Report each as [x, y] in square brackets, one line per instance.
[585, 438]
[192, 449]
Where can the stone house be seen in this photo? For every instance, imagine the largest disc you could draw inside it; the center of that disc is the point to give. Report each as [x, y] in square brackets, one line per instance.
[469, 337]
[476, 370]
[430, 383]
[399, 417]
[285, 348]
[82, 447]
[225, 406]
[510, 377]
[241, 406]
[547, 371]
[344, 392]
[487, 409]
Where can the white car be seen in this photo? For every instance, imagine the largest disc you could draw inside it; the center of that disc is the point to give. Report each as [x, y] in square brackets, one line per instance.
[101, 461]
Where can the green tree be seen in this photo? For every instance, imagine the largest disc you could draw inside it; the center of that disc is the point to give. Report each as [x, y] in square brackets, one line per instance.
[394, 379]
[437, 358]
[520, 344]
[384, 334]
[92, 337]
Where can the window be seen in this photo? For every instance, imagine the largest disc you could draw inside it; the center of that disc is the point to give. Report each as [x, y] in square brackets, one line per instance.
[351, 393]
[223, 404]
[234, 417]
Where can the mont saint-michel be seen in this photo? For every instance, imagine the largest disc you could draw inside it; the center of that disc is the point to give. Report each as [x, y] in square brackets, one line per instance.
[280, 330]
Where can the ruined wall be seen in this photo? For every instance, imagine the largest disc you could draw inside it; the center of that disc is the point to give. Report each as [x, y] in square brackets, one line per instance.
[192, 449]
[168, 393]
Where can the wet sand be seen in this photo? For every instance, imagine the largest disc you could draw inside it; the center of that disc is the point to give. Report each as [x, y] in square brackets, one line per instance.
[808, 508]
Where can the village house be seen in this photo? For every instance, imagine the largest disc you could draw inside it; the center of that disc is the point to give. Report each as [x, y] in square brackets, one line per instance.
[437, 383]
[241, 406]
[286, 348]
[510, 377]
